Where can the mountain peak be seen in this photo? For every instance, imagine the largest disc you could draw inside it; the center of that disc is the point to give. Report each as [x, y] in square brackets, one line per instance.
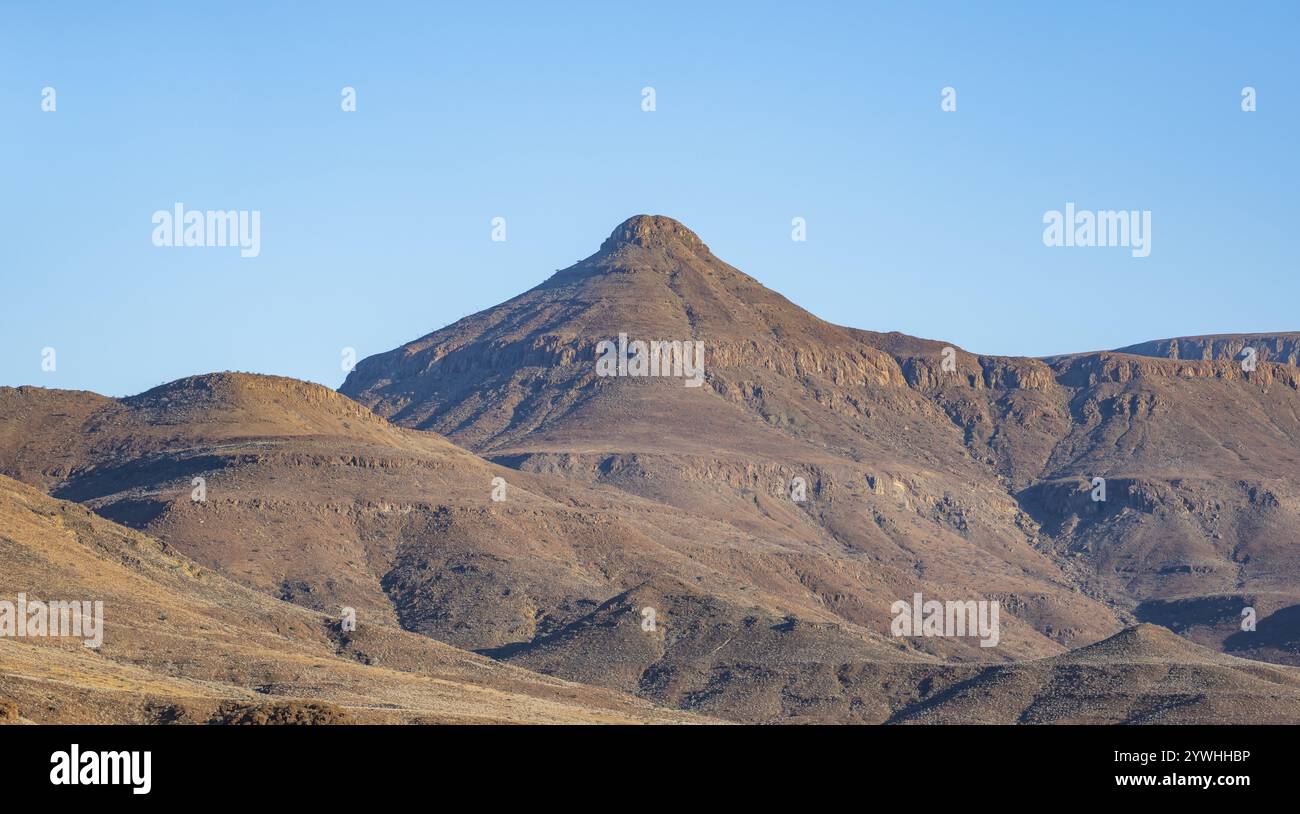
[653, 232]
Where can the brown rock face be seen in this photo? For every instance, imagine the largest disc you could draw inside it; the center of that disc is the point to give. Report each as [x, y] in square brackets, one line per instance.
[1282, 348]
[654, 232]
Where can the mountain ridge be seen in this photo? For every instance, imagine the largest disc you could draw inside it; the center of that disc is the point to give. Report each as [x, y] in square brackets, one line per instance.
[951, 430]
[768, 518]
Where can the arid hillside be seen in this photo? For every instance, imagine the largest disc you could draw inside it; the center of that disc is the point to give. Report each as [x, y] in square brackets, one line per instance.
[1142, 675]
[726, 529]
[921, 459]
[182, 644]
[327, 506]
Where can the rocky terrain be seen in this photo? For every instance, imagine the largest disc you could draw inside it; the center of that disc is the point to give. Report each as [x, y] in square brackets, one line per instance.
[994, 453]
[182, 644]
[1143, 675]
[729, 542]
[1283, 348]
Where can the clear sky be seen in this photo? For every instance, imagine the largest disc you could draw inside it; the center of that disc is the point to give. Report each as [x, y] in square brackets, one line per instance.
[376, 224]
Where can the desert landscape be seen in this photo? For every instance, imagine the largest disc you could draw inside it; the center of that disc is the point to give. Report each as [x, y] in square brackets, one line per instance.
[507, 520]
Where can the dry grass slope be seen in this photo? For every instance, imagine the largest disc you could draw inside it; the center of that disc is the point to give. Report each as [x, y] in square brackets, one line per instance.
[183, 644]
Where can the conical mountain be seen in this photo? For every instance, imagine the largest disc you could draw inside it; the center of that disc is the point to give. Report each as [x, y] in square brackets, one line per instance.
[652, 279]
[926, 467]
[804, 434]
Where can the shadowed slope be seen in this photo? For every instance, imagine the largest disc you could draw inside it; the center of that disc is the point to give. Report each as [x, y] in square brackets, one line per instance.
[1145, 674]
[182, 644]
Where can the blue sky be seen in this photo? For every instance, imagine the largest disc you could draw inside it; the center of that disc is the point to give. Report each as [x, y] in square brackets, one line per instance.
[375, 225]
